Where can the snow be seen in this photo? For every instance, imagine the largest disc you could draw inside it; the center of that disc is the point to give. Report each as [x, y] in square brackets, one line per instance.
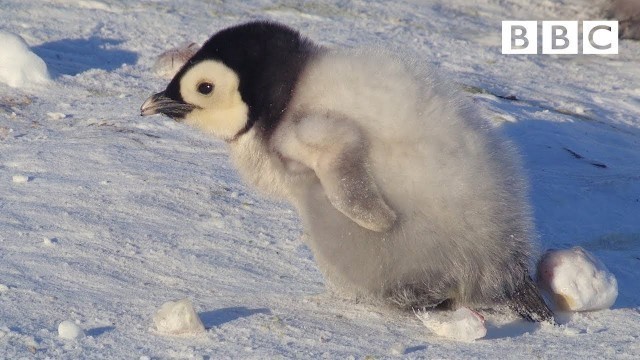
[69, 330]
[577, 280]
[463, 324]
[147, 210]
[18, 65]
[177, 318]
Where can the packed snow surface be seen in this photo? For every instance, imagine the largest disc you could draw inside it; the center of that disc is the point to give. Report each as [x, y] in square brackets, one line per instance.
[19, 66]
[463, 324]
[177, 318]
[577, 280]
[144, 210]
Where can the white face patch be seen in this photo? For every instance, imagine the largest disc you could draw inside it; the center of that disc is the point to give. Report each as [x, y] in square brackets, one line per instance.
[220, 112]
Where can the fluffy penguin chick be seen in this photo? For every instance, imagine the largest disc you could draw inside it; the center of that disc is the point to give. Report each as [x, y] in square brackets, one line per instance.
[406, 193]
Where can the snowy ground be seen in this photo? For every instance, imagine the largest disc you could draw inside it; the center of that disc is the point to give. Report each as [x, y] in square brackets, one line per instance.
[105, 216]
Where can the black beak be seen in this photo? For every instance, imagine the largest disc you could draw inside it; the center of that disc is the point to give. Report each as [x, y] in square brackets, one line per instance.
[161, 104]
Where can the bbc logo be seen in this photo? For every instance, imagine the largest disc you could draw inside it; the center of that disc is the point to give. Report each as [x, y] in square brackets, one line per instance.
[559, 37]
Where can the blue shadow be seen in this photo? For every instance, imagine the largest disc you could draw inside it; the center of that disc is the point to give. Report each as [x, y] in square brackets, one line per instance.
[100, 330]
[413, 349]
[584, 183]
[74, 56]
[219, 317]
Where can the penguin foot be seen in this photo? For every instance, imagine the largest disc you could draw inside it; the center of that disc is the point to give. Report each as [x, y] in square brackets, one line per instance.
[528, 303]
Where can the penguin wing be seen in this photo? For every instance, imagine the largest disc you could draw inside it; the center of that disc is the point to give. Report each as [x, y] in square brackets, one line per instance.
[336, 149]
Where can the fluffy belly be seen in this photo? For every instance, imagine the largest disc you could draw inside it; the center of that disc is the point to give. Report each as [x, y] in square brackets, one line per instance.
[351, 258]
[359, 262]
[425, 257]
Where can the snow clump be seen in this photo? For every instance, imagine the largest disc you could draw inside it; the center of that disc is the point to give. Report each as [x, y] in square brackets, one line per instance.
[69, 330]
[19, 66]
[178, 318]
[463, 324]
[577, 280]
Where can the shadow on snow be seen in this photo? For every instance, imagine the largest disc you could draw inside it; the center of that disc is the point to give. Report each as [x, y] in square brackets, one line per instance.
[584, 173]
[219, 317]
[100, 330]
[74, 56]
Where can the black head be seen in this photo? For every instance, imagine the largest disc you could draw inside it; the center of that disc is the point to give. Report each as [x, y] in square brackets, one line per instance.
[242, 77]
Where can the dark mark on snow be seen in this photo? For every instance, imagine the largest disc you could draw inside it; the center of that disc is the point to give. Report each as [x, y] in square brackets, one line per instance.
[575, 154]
[478, 90]
[580, 157]
[508, 97]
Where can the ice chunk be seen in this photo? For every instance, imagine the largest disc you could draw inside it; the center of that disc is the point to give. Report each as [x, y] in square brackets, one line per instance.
[577, 280]
[463, 324]
[178, 318]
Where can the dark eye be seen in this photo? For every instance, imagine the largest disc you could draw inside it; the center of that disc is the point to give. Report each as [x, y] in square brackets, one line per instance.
[205, 88]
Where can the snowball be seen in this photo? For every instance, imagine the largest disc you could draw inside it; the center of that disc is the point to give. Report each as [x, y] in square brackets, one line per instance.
[20, 179]
[3, 288]
[463, 324]
[56, 115]
[169, 62]
[69, 330]
[397, 349]
[18, 65]
[577, 280]
[177, 318]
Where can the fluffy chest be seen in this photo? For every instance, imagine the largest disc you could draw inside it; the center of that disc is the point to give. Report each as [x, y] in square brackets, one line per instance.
[267, 169]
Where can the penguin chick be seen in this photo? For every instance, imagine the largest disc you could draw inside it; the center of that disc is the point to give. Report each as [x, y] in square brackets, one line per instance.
[406, 193]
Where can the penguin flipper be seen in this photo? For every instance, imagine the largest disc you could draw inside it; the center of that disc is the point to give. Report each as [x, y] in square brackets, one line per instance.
[528, 303]
[337, 152]
[351, 190]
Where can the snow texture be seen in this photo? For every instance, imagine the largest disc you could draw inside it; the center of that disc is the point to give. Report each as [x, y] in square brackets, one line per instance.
[577, 280]
[146, 210]
[463, 324]
[19, 66]
[178, 318]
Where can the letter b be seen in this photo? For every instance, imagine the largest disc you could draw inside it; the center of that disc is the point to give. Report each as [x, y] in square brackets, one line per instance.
[519, 32]
[559, 37]
[519, 37]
